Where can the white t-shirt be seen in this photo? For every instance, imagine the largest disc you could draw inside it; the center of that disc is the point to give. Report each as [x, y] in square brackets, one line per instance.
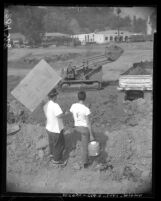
[80, 113]
[53, 123]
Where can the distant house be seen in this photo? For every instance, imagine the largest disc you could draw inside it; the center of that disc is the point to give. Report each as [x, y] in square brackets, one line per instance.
[103, 36]
[85, 37]
[17, 37]
[56, 38]
[137, 37]
[111, 35]
[50, 36]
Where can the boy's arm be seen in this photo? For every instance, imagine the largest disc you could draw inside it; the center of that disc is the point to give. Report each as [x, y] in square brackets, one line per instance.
[60, 113]
[90, 128]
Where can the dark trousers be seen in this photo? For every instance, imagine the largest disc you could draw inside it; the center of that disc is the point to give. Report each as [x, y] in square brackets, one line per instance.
[56, 144]
[85, 136]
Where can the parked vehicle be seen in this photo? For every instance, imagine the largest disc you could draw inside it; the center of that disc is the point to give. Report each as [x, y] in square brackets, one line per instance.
[137, 81]
[90, 71]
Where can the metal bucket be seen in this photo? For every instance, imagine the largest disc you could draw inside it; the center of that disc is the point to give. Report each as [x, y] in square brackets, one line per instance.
[93, 148]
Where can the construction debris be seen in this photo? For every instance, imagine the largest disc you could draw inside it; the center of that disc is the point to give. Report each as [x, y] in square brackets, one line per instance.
[12, 128]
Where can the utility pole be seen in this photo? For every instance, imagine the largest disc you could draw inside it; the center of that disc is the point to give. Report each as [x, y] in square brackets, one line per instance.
[118, 15]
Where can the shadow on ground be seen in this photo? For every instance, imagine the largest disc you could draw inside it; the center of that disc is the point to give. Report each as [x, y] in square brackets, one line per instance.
[102, 139]
[72, 139]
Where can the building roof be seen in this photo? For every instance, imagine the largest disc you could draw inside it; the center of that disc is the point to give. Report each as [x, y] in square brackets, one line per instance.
[56, 34]
[112, 32]
[83, 34]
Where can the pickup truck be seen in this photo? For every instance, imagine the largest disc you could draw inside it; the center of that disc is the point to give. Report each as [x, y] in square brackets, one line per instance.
[138, 83]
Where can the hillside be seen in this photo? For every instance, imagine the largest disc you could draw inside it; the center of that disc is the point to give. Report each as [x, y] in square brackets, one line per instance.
[72, 19]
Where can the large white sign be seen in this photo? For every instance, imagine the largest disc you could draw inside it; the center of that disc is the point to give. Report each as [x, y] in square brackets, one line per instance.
[36, 85]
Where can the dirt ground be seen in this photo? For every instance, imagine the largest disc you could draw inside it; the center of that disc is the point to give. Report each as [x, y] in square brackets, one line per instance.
[124, 131]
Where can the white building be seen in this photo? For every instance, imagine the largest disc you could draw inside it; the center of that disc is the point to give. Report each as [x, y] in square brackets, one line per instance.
[102, 36]
[111, 35]
[149, 26]
[85, 38]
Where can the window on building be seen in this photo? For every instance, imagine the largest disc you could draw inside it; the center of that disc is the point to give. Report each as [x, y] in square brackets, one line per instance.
[111, 37]
[126, 38]
[121, 38]
[106, 38]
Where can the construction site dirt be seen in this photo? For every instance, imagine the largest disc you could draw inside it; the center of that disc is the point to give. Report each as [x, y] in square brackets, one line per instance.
[124, 130]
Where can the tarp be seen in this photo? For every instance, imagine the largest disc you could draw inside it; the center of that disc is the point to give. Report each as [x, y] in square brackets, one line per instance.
[36, 85]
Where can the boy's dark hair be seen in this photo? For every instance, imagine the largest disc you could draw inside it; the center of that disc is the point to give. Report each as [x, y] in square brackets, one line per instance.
[81, 95]
[52, 94]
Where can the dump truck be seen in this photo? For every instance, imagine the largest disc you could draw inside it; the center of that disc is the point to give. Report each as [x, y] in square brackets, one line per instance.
[90, 71]
[136, 82]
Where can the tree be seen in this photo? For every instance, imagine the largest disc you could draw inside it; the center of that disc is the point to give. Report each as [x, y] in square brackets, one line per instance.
[153, 18]
[139, 25]
[74, 26]
[125, 22]
[56, 21]
[28, 21]
[118, 11]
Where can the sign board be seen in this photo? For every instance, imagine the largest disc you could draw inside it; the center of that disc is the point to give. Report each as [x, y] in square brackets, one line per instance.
[36, 85]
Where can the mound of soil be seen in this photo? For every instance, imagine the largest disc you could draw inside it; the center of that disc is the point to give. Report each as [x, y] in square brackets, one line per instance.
[22, 155]
[141, 68]
[113, 52]
[124, 133]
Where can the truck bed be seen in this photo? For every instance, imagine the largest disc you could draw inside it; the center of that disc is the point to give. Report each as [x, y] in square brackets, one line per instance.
[135, 82]
[138, 77]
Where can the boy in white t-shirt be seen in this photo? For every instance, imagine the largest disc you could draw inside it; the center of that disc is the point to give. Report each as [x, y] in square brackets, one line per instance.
[82, 124]
[54, 128]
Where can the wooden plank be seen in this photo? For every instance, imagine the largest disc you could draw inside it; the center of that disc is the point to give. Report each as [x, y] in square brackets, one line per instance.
[36, 85]
[12, 128]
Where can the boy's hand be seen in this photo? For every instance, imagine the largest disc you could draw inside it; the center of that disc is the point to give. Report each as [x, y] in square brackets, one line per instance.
[66, 112]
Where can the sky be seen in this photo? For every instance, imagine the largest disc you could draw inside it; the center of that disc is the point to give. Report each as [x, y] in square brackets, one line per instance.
[142, 12]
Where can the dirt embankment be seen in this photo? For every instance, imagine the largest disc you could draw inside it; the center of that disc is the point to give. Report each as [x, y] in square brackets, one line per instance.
[140, 68]
[125, 134]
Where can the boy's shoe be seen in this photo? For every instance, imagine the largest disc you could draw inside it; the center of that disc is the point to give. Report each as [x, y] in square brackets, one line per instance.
[54, 162]
[86, 165]
[61, 163]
